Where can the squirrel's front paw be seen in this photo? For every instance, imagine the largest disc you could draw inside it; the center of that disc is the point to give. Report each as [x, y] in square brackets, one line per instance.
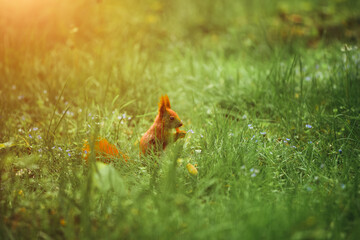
[181, 134]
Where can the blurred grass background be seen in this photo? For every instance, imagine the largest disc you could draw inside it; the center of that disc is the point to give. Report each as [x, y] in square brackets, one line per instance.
[268, 90]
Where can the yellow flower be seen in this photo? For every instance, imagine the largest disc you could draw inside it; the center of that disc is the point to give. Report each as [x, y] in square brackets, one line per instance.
[192, 170]
[21, 193]
[62, 222]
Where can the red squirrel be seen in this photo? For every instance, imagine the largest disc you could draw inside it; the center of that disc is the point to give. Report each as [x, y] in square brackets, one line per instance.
[159, 135]
[155, 140]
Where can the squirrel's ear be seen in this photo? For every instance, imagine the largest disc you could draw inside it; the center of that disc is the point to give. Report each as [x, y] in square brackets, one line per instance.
[162, 105]
[167, 101]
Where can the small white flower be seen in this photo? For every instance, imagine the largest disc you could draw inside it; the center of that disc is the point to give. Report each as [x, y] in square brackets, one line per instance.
[198, 151]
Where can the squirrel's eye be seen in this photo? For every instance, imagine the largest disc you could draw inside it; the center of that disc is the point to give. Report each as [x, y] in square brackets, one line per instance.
[172, 118]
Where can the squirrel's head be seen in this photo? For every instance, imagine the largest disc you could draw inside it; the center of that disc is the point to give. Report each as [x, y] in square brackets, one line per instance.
[167, 115]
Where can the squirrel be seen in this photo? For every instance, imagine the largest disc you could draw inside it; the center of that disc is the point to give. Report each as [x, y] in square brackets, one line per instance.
[155, 140]
[159, 135]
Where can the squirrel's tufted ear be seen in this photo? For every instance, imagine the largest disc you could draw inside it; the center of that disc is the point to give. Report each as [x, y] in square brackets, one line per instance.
[162, 105]
[167, 101]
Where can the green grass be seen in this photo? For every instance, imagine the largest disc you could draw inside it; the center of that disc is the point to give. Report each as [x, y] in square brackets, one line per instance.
[273, 120]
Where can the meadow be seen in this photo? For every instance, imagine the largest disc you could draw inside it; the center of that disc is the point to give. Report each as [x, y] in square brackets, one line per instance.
[268, 91]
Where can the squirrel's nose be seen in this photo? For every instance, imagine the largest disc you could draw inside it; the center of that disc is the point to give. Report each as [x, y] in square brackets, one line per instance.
[180, 124]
